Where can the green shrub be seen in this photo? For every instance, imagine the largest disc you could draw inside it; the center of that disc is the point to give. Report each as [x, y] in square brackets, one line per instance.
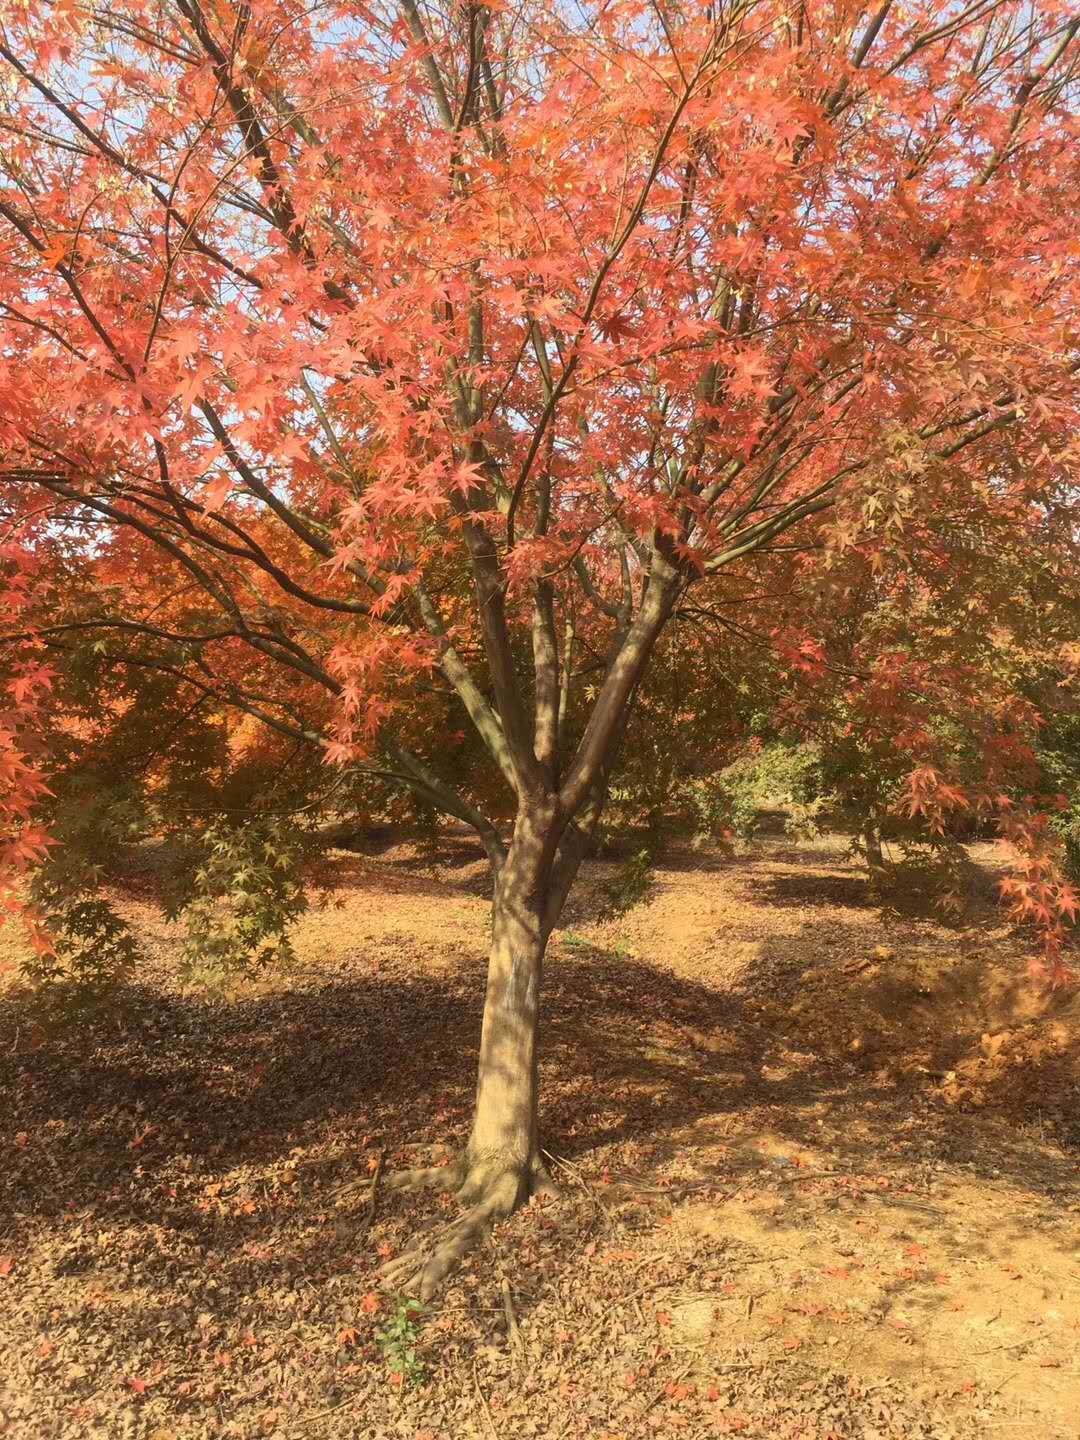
[398, 1340]
[629, 886]
[727, 804]
[239, 899]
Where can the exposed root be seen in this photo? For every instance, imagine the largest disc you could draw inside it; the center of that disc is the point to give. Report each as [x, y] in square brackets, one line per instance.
[373, 1197]
[427, 1177]
[541, 1181]
[492, 1191]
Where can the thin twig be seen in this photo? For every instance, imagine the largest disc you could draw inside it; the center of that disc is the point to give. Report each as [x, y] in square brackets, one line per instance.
[810, 1175]
[321, 1414]
[373, 1195]
[512, 1329]
[663, 1388]
[579, 1179]
[1008, 1378]
[1019, 1345]
[483, 1400]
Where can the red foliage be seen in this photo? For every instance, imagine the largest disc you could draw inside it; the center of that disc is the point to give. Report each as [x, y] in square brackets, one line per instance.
[364, 359]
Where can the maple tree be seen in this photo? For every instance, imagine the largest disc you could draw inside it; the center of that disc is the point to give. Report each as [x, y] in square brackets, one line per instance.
[382, 374]
[925, 710]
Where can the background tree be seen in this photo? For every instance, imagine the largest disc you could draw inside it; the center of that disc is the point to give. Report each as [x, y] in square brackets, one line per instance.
[873, 685]
[357, 353]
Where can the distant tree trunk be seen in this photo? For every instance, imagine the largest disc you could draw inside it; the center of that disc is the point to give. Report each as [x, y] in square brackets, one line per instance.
[875, 859]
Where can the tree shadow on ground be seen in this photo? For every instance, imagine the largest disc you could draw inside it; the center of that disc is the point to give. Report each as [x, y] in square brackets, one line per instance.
[223, 1121]
[177, 1161]
[849, 892]
[180, 1159]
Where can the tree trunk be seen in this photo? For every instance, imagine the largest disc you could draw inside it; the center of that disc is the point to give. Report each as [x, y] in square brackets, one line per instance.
[501, 1165]
[505, 1134]
[875, 860]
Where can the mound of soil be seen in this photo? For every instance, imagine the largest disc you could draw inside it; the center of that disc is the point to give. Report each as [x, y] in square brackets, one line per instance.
[906, 996]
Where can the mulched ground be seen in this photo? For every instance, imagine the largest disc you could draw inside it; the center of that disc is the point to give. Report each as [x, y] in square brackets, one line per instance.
[819, 1169]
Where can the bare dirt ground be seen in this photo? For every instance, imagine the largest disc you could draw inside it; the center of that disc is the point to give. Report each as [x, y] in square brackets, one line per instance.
[820, 1174]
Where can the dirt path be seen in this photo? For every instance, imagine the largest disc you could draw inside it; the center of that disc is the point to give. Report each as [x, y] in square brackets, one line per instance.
[820, 1174]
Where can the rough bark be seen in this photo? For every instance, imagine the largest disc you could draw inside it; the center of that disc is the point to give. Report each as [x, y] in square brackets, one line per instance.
[505, 1133]
[501, 1165]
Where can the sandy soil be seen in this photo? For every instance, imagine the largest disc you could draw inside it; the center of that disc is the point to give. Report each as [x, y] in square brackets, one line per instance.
[820, 1173]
